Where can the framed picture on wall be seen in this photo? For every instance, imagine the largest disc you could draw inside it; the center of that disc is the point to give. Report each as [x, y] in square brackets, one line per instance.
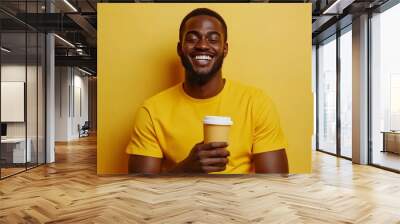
[12, 101]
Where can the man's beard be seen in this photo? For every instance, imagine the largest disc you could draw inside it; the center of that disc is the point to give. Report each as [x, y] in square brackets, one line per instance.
[195, 78]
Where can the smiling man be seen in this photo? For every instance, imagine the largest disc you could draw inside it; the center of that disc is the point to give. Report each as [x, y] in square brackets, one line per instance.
[168, 130]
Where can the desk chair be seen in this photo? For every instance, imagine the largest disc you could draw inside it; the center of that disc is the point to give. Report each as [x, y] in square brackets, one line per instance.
[84, 130]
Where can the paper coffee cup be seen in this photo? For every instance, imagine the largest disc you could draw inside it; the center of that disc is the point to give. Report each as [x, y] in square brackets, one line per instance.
[216, 128]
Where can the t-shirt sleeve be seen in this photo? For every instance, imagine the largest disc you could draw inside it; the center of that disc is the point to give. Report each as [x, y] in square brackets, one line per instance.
[268, 134]
[144, 140]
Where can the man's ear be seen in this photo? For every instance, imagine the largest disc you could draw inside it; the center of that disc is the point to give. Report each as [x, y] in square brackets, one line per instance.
[225, 49]
[179, 48]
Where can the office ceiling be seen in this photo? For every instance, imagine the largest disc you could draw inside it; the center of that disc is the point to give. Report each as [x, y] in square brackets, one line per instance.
[76, 22]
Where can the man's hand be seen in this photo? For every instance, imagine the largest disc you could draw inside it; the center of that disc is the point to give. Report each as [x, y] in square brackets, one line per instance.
[204, 158]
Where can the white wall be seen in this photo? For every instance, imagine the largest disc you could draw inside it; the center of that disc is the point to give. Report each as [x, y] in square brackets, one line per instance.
[81, 98]
[71, 94]
[62, 81]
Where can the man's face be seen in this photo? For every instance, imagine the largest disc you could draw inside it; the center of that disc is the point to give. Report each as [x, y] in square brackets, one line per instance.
[202, 48]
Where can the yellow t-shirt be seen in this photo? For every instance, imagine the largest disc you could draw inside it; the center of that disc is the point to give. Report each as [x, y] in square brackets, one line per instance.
[170, 123]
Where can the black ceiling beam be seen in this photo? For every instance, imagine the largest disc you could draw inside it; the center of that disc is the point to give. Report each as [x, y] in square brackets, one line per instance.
[332, 29]
[217, 1]
[49, 22]
[88, 51]
[83, 61]
[91, 5]
[84, 24]
[8, 24]
[199, 1]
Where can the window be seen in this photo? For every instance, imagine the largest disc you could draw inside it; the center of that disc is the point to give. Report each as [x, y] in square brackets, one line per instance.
[346, 93]
[327, 95]
[385, 88]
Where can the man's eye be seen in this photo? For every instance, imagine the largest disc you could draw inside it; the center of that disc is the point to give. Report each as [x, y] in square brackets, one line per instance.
[213, 38]
[191, 38]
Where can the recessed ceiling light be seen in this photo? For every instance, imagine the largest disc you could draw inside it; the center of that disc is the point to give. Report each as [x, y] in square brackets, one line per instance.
[70, 5]
[337, 7]
[5, 50]
[64, 40]
[84, 71]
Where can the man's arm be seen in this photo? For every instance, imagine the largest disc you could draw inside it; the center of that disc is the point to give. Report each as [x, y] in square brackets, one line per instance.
[203, 158]
[144, 164]
[271, 162]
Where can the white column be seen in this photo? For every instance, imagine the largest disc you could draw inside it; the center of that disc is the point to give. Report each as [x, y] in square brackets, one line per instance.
[360, 90]
[50, 92]
[50, 100]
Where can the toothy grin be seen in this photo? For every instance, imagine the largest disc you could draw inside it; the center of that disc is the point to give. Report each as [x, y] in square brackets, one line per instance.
[203, 57]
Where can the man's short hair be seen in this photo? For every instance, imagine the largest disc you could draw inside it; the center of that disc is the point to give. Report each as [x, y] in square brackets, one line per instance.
[203, 12]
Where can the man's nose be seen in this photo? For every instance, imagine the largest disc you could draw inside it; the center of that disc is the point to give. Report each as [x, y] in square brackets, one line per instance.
[202, 44]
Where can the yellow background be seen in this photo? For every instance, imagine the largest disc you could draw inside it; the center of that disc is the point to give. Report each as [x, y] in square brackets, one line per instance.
[269, 47]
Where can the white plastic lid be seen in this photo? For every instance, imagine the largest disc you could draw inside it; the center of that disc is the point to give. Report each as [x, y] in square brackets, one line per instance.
[217, 120]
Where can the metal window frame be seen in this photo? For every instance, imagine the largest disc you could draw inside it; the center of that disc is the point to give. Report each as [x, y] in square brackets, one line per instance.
[386, 6]
[337, 35]
[0, 95]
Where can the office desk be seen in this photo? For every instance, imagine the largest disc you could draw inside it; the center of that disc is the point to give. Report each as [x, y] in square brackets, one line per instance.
[391, 141]
[15, 148]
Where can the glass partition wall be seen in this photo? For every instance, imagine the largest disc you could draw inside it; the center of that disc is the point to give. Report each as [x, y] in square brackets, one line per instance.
[22, 88]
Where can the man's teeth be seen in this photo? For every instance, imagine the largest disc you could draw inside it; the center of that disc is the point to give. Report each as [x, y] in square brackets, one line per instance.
[203, 57]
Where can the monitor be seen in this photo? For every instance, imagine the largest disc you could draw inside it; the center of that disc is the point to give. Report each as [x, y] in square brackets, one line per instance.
[3, 129]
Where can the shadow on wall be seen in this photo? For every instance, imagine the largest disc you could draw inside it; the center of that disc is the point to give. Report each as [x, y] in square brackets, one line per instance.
[175, 75]
[176, 72]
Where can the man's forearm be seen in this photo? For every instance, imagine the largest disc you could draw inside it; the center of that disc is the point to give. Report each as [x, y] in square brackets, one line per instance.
[271, 162]
[144, 164]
